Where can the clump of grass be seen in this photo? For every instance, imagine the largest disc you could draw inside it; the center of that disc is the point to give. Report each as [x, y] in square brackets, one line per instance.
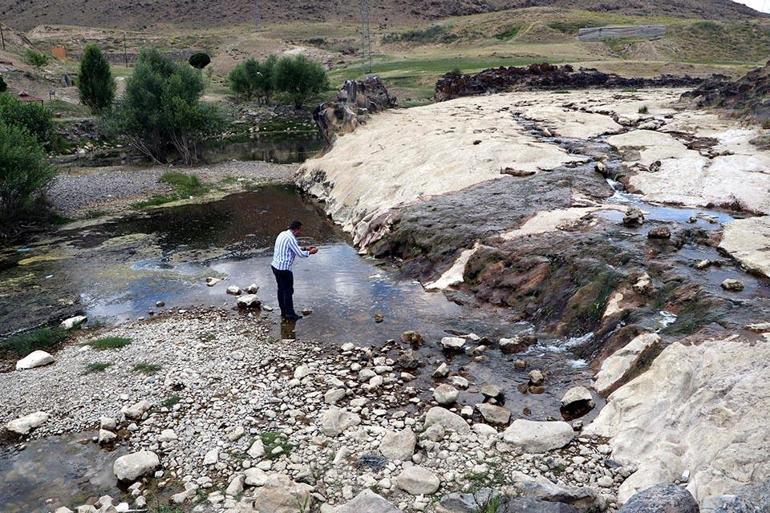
[644, 109]
[105, 343]
[271, 440]
[184, 186]
[171, 401]
[146, 368]
[21, 345]
[95, 367]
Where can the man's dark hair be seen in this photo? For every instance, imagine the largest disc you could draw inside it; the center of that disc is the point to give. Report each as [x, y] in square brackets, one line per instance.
[295, 225]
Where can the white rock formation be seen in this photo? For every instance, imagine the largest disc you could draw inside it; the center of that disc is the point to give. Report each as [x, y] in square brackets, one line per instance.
[73, 322]
[623, 362]
[702, 409]
[33, 360]
[537, 437]
[748, 241]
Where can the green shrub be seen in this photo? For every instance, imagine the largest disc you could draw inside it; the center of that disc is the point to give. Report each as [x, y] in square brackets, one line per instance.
[95, 82]
[105, 343]
[299, 78]
[35, 58]
[19, 346]
[199, 60]
[33, 117]
[3, 85]
[251, 78]
[432, 34]
[161, 111]
[644, 109]
[24, 172]
[171, 401]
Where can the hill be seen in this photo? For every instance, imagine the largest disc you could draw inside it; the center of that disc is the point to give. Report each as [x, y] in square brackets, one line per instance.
[26, 14]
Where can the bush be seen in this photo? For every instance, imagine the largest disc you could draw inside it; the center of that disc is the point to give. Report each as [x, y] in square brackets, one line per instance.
[432, 34]
[251, 79]
[299, 78]
[3, 85]
[32, 117]
[19, 346]
[161, 110]
[35, 58]
[24, 171]
[199, 60]
[95, 82]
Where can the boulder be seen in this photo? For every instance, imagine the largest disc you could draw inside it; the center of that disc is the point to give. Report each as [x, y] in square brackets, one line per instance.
[255, 477]
[257, 449]
[74, 322]
[249, 301]
[398, 446]
[106, 437]
[697, 408]
[577, 401]
[234, 290]
[517, 344]
[280, 494]
[33, 360]
[659, 232]
[445, 394]
[23, 425]
[367, 502]
[633, 217]
[447, 420]
[537, 437]
[452, 343]
[132, 466]
[335, 421]
[136, 411]
[753, 498]
[661, 498]
[626, 362]
[494, 414]
[539, 487]
[479, 502]
[417, 480]
[408, 360]
[732, 285]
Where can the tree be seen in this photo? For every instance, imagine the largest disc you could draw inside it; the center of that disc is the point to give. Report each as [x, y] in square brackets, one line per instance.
[162, 111]
[3, 85]
[35, 58]
[32, 117]
[95, 82]
[24, 171]
[299, 78]
[268, 76]
[199, 60]
[245, 78]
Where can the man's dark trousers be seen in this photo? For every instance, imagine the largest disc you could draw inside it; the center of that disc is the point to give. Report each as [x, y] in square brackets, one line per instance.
[285, 281]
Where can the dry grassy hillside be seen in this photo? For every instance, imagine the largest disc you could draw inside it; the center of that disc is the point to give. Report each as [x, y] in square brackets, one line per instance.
[25, 14]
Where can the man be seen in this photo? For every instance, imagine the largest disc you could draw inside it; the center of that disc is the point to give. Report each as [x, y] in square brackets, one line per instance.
[286, 250]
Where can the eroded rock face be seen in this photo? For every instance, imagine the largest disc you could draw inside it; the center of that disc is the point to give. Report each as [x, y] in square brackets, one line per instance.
[748, 240]
[626, 362]
[697, 409]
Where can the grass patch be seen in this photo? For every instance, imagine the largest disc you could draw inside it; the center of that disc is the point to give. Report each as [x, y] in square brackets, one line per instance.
[185, 186]
[271, 440]
[171, 401]
[95, 367]
[23, 344]
[508, 33]
[106, 343]
[146, 368]
[432, 34]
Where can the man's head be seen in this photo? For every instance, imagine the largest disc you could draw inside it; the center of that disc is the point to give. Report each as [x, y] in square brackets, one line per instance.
[295, 227]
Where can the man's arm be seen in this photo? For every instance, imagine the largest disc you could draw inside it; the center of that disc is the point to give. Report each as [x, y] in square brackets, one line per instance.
[294, 247]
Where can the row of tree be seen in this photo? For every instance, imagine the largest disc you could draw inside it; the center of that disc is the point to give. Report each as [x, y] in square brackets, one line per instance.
[296, 77]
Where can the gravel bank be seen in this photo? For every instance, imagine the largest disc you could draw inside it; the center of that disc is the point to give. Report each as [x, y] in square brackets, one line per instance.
[229, 405]
[77, 192]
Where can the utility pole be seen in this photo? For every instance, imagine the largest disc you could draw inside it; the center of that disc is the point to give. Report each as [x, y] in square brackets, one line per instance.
[125, 50]
[256, 14]
[2, 35]
[366, 37]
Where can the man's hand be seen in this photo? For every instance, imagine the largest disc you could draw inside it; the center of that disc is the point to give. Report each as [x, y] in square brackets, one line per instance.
[312, 250]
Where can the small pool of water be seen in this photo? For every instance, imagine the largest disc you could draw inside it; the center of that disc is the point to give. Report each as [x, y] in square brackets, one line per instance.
[56, 471]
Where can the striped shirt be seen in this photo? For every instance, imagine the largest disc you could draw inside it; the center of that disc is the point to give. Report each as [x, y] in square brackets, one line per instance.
[286, 249]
